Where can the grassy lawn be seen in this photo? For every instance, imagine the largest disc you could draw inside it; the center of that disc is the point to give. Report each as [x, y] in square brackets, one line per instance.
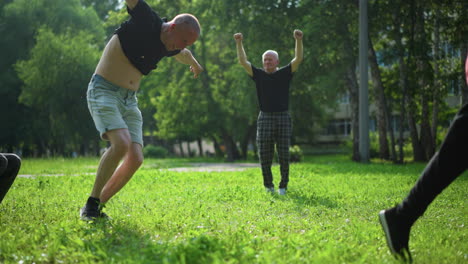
[328, 216]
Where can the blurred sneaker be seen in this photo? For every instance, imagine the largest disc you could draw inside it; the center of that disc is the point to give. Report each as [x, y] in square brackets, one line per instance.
[397, 234]
[91, 213]
[270, 189]
[282, 191]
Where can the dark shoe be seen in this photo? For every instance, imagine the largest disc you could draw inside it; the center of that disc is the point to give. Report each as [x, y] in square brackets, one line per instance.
[397, 234]
[92, 213]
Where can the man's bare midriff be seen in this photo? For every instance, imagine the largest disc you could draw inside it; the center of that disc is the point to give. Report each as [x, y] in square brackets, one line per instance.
[115, 67]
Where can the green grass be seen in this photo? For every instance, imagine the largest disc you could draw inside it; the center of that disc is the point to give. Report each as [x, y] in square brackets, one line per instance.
[161, 216]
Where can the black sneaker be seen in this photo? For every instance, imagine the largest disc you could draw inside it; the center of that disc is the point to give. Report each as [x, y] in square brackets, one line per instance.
[397, 234]
[88, 213]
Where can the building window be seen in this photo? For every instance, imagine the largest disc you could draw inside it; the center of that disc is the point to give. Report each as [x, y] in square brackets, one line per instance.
[344, 98]
[339, 127]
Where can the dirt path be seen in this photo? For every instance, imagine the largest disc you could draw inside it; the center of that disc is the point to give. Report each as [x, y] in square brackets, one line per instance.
[217, 167]
[209, 167]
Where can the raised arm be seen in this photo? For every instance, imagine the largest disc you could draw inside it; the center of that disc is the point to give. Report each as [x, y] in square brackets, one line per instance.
[298, 51]
[241, 54]
[186, 57]
[131, 3]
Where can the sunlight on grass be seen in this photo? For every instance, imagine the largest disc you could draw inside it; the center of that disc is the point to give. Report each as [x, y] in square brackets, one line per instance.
[328, 216]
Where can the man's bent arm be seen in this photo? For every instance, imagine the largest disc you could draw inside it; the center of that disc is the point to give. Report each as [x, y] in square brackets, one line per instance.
[186, 57]
[241, 54]
[298, 51]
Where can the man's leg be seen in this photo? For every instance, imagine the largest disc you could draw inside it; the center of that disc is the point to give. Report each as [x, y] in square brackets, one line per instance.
[283, 143]
[120, 144]
[124, 172]
[9, 168]
[445, 166]
[266, 148]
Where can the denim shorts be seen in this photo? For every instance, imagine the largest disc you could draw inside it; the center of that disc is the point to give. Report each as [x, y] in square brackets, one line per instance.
[113, 107]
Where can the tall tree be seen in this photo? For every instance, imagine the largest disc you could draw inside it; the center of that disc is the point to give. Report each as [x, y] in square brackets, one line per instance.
[55, 80]
[21, 21]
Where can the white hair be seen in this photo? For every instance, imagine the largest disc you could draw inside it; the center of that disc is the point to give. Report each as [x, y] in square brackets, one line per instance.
[272, 52]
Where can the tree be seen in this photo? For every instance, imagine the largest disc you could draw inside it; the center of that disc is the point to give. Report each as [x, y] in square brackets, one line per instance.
[21, 21]
[55, 80]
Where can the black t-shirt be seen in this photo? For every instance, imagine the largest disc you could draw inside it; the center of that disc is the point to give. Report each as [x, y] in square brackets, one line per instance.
[273, 88]
[140, 38]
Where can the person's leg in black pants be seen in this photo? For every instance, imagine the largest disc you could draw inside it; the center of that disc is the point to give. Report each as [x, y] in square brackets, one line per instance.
[283, 140]
[266, 148]
[445, 166]
[9, 168]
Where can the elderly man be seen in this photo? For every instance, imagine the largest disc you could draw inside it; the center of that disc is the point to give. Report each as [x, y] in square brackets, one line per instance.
[274, 122]
[133, 51]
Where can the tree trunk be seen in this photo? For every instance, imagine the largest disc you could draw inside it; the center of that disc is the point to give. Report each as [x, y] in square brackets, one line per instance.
[437, 86]
[181, 149]
[200, 147]
[382, 112]
[418, 153]
[189, 151]
[217, 147]
[352, 85]
[423, 85]
[231, 149]
[251, 129]
[393, 155]
[41, 147]
[425, 127]
[402, 82]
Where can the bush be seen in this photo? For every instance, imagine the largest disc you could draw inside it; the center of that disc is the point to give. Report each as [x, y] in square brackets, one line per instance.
[151, 151]
[252, 155]
[295, 153]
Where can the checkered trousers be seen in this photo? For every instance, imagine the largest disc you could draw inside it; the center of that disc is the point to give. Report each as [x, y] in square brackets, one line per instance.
[274, 129]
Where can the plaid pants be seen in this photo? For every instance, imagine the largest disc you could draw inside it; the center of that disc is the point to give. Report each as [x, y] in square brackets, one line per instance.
[274, 129]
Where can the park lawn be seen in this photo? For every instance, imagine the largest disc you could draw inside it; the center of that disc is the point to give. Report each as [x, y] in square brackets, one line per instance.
[328, 216]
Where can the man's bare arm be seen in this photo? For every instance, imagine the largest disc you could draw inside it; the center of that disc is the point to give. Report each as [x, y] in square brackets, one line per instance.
[241, 54]
[131, 3]
[186, 57]
[298, 51]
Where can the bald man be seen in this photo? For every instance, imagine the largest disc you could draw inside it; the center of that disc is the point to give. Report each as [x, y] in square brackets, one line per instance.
[445, 166]
[134, 50]
[274, 122]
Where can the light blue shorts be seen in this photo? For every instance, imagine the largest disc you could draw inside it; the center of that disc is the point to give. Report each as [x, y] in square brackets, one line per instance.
[113, 107]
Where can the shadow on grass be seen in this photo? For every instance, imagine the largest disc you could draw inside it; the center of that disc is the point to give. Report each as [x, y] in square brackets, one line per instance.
[312, 200]
[122, 242]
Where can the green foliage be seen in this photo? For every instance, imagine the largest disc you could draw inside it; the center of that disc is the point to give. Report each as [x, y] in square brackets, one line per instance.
[295, 153]
[40, 85]
[55, 80]
[252, 155]
[374, 144]
[151, 151]
[44, 78]
[328, 216]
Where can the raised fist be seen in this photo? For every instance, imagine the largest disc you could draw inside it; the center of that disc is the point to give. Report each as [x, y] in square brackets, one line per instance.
[298, 34]
[238, 36]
